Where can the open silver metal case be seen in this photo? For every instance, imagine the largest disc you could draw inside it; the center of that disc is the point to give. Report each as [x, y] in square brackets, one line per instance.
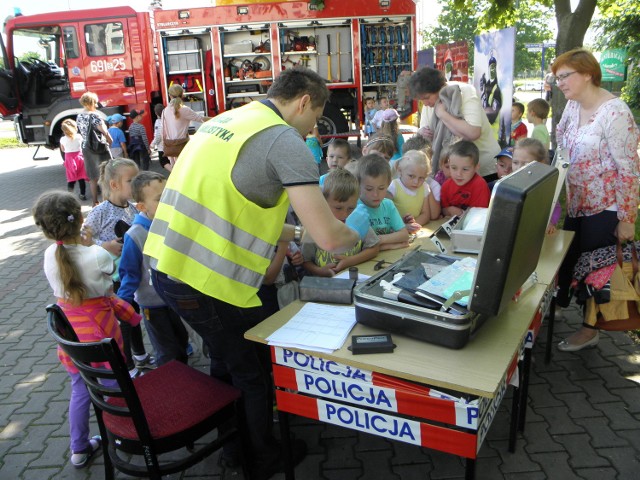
[511, 244]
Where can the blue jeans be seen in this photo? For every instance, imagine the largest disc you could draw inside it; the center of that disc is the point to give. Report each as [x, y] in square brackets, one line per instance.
[167, 334]
[222, 326]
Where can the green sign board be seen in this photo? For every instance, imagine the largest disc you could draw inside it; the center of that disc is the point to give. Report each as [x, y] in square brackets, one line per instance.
[612, 65]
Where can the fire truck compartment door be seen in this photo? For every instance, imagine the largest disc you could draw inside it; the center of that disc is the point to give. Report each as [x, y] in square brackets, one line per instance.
[108, 64]
[8, 92]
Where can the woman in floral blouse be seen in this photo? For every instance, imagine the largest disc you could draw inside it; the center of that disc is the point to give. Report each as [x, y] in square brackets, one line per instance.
[601, 136]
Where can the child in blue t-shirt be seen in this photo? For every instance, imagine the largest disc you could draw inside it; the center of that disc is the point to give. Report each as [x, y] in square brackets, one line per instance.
[314, 142]
[341, 190]
[119, 142]
[370, 111]
[374, 175]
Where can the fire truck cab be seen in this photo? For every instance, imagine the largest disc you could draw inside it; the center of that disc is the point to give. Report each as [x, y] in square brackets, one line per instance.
[101, 51]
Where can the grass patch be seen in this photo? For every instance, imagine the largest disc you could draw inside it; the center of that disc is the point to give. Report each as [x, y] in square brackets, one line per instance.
[11, 143]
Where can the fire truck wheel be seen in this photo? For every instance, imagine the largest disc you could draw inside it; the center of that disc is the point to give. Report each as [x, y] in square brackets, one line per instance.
[332, 122]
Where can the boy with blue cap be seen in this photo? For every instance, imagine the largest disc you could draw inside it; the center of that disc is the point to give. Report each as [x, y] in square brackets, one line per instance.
[119, 144]
[503, 165]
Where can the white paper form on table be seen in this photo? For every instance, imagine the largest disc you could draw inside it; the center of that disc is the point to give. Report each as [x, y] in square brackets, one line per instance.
[317, 326]
[345, 274]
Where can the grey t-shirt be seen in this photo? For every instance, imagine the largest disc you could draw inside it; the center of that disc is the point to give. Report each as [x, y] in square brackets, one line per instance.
[274, 158]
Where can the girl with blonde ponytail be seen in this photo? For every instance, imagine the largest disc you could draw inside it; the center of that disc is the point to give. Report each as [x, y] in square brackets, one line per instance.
[79, 273]
[176, 118]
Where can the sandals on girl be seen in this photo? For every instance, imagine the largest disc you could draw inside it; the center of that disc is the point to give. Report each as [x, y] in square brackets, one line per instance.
[81, 459]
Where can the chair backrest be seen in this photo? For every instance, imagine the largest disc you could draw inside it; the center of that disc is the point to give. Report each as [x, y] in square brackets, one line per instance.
[103, 369]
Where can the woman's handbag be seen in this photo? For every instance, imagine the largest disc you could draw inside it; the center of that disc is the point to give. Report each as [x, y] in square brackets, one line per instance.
[621, 313]
[97, 142]
[172, 147]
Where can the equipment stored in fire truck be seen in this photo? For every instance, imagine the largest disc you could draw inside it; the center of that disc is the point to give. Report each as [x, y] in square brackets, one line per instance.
[223, 56]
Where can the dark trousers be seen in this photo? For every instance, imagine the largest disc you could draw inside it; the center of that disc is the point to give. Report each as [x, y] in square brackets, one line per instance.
[591, 232]
[162, 159]
[142, 159]
[167, 334]
[222, 327]
[81, 185]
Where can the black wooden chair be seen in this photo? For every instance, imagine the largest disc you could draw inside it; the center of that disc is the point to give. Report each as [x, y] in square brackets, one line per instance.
[165, 410]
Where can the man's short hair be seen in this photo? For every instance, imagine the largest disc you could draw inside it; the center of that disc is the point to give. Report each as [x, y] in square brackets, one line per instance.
[298, 81]
[144, 179]
[426, 80]
[539, 107]
[465, 148]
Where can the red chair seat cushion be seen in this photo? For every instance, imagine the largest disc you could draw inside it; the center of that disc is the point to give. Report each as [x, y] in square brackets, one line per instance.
[174, 397]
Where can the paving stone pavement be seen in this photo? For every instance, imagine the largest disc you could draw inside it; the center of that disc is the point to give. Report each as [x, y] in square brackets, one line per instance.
[583, 414]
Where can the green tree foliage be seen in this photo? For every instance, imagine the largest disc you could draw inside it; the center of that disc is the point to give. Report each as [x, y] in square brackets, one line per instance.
[619, 27]
[28, 55]
[531, 20]
[572, 25]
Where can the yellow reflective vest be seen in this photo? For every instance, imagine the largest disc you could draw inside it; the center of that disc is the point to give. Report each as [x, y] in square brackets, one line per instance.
[205, 232]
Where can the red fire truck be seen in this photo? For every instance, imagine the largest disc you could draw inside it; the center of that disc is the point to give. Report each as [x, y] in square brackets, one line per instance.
[223, 56]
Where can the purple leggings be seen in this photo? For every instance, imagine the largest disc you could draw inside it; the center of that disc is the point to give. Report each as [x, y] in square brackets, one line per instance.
[79, 406]
[79, 413]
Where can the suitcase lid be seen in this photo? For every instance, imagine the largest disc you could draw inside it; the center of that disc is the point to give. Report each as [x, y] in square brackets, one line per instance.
[512, 239]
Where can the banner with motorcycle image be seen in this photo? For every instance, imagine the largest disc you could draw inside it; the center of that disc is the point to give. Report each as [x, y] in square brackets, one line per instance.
[494, 58]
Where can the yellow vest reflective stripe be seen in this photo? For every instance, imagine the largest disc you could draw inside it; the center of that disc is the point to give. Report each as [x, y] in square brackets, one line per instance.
[205, 232]
[225, 229]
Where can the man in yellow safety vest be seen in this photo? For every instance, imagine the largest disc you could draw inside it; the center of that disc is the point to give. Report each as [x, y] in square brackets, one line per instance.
[218, 222]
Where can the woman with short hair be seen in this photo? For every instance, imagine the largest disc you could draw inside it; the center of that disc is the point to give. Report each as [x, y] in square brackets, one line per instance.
[599, 132]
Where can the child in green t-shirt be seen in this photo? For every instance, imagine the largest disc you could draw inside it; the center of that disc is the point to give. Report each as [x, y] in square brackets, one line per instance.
[537, 113]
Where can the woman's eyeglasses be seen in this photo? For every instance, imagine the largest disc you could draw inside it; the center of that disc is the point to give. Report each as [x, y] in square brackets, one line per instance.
[563, 77]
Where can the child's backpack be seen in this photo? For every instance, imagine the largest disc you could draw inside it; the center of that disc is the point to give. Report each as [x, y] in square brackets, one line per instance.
[136, 145]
